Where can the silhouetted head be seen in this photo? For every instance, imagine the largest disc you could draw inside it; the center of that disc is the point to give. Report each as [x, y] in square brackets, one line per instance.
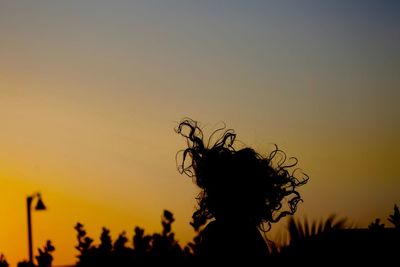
[237, 185]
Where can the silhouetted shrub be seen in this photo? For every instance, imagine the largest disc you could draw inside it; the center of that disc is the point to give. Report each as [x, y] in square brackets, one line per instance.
[376, 225]
[306, 239]
[156, 249]
[337, 243]
[45, 258]
[395, 217]
[85, 247]
[25, 264]
[3, 261]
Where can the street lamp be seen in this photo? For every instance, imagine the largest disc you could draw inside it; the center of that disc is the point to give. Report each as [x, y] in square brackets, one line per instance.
[39, 206]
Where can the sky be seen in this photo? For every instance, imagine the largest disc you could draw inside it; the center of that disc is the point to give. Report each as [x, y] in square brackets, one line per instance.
[91, 91]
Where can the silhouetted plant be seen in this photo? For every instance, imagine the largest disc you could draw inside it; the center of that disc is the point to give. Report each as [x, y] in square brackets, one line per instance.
[25, 264]
[105, 241]
[191, 250]
[122, 254]
[85, 247]
[308, 239]
[302, 230]
[142, 246]
[45, 258]
[159, 248]
[376, 225]
[395, 217]
[120, 243]
[164, 246]
[329, 238]
[104, 250]
[166, 222]
[141, 242]
[3, 261]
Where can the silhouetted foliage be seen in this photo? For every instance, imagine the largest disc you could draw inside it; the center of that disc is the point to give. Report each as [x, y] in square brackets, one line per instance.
[329, 239]
[85, 247]
[395, 217]
[335, 241]
[45, 258]
[299, 231]
[155, 249]
[192, 249]
[164, 247]
[122, 254]
[376, 225]
[306, 238]
[3, 261]
[141, 244]
[25, 264]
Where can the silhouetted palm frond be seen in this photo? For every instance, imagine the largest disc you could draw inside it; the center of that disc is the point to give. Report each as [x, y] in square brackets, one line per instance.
[299, 230]
[395, 217]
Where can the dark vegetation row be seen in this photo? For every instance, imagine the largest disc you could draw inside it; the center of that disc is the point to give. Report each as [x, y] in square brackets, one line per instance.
[332, 240]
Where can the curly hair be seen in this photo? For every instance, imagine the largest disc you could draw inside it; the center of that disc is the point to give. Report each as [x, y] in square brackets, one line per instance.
[237, 184]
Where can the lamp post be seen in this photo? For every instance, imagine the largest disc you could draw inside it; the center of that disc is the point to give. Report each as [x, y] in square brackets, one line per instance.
[39, 206]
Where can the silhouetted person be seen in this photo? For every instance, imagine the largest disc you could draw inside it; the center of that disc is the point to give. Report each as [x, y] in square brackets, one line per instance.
[241, 192]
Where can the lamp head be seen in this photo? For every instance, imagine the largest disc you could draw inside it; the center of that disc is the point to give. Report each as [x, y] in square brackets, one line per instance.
[40, 205]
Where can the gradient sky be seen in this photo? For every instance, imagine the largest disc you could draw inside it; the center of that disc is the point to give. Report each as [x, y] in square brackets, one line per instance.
[90, 92]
